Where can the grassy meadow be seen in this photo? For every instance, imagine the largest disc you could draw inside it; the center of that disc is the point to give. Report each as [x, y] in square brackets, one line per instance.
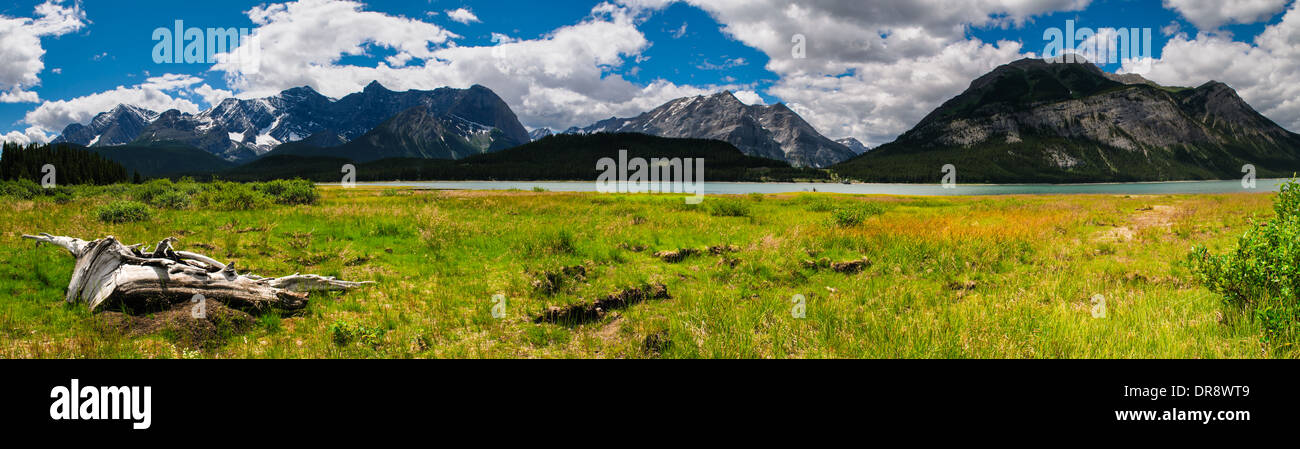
[960, 277]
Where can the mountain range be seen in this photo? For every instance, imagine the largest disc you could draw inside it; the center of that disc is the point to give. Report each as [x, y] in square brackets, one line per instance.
[773, 132]
[1044, 121]
[1027, 121]
[241, 130]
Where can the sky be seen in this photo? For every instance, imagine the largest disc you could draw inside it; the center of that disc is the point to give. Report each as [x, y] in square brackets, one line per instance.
[853, 68]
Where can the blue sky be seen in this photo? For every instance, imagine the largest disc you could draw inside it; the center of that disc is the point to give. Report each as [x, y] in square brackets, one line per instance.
[865, 76]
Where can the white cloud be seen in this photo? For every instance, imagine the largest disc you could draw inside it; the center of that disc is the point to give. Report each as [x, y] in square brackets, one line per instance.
[748, 97]
[498, 38]
[301, 42]
[32, 135]
[564, 78]
[678, 33]
[212, 96]
[1209, 15]
[21, 51]
[462, 15]
[1265, 72]
[871, 68]
[1171, 29]
[155, 93]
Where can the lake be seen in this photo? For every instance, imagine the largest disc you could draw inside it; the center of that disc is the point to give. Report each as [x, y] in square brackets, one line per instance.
[738, 188]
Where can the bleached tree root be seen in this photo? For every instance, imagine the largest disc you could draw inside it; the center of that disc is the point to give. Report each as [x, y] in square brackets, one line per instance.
[108, 272]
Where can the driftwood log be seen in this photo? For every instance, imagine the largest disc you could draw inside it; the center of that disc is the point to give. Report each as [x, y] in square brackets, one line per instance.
[108, 272]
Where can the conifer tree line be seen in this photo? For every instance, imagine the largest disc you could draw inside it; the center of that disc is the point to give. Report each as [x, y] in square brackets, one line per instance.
[72, 165]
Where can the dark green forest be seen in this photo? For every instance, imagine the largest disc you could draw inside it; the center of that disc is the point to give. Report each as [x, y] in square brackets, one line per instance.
[72, 165]
[555, 158]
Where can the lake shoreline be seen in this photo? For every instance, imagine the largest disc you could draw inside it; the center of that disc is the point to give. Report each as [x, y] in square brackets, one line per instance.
[1270, 185]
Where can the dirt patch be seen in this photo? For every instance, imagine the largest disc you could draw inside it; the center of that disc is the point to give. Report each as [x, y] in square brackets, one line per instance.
[610, 331]
[632, 248]
[845, 267]
[675, 256]
[678, 255]
[656, 343]
[1146, 217]
[962, 288]
[179, 324]
[587, 312]
[551, 282]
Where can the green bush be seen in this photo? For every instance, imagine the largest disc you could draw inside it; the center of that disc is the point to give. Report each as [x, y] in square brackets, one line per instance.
[124, 212]
[815, 203]
[230, 196]
[148, 191]
[62, 198]
[854, 215]
[343, 333]
[728, 208]
[1260, 279]
[293, 192]
[23, 189]
[174, 200]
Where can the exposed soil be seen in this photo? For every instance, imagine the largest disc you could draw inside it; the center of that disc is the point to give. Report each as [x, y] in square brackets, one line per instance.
[551, 282]
[179, 325]
[675, 256]
[587, 312]
[846, 267]
[1147, 217]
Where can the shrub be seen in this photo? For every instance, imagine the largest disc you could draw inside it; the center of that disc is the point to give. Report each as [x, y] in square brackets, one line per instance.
[729, 208]
[151, 190]
[24, 189]
[293, 192]
[814, 203]
[854, 215]
[1259, 279]
[62, 198]
[124, 212]
[343, 333]
[174, 200]
[230, 196]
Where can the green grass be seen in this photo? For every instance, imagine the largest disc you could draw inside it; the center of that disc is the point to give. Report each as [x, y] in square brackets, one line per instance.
[979, 277]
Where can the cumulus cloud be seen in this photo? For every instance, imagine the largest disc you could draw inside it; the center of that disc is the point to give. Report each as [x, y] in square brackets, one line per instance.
[21, 51]
[305, 39]
[462, 15]
[871, 69]
[32, 135]
[159, 93]
[1265, 72]
[748, 97]
[564, 78]
[1209, 15]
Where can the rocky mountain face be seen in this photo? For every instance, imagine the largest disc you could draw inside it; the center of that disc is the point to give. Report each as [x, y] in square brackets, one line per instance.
[239, 130]
[854, 145]
[1032, 120]
[421, 132]
[116, 127]
[540, 133]
[773, 132]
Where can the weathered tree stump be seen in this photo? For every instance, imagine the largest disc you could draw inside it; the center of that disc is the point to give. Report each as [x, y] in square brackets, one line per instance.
[108, 272]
